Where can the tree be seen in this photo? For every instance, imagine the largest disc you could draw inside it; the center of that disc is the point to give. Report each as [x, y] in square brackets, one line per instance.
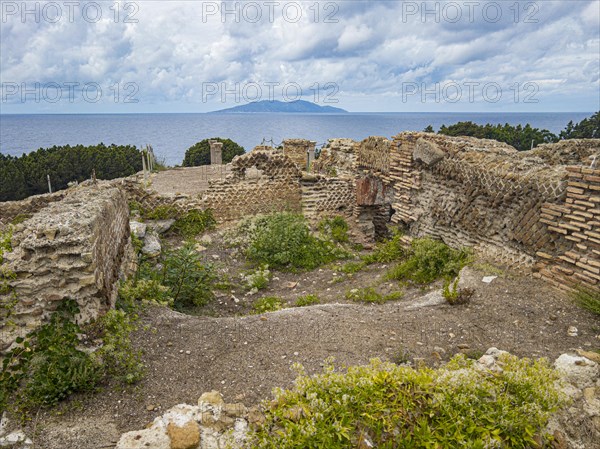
[199, 153]
[588, 128]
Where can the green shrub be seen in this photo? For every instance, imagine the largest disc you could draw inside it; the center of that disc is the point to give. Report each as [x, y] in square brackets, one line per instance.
[267, 304]
[120, 360]
[194, 222]
[429, 260]
[133, 293]
[257, 279]
[454, 295]
[187, 277]
[48, 366]
[352, 267]
[588, 299]
[335, 228]
[199, 153]
[283, 241]
[389, 251]
[370, 295]
[163, 212]
[307, 300]
[384, 405]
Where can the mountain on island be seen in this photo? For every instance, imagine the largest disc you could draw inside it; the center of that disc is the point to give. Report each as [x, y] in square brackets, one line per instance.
[298, 106]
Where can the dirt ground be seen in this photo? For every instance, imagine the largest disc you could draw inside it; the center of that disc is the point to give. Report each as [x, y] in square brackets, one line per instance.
[245, 356]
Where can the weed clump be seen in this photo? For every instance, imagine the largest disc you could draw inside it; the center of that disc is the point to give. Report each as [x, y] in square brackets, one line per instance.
[334, 228]
[283, 241]
[370, 295]
[267, 304]
[307, 300]
[428, 260]
[588, 299]
[389, 406]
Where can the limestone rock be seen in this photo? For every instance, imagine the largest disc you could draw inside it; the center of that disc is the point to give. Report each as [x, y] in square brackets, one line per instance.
[152, 246]
[579, 371]
[160, 226]
[427, 152]
[144, 439]
[184, 437]
[138, 229]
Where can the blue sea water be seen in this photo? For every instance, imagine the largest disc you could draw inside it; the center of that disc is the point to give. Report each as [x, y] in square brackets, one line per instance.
[171, 134]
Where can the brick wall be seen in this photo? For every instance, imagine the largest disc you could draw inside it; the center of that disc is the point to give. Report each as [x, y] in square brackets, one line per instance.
[74, 249]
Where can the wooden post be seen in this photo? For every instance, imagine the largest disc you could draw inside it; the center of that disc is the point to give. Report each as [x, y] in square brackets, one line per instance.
[49, 184]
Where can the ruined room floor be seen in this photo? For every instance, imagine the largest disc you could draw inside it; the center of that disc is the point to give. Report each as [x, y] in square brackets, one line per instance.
[244, 357]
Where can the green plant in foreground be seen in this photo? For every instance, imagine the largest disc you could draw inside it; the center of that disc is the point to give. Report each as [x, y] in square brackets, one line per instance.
[370, 295]
[267, 304]
[48, 365]
[384, 405]
[352, 267]
[429, 260]
[391, 250]
[194, 222]
[283, 241]
[588, 299]
[335, 228]
[257, 279]
[307, 300]
[454, 295]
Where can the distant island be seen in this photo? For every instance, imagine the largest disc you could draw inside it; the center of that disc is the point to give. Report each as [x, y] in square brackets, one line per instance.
[298, 106]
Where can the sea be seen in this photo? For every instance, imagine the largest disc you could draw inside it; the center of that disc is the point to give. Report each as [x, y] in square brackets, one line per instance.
[171, 134]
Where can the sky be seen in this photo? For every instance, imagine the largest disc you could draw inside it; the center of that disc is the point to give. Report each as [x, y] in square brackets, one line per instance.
[363, 56]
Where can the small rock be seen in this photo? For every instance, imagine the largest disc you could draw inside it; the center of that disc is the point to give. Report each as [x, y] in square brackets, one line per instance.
[152, 246]
[206, 240]
[212, 397]
[215, 256]
[291, 284]
[577, 370]
[160, 226]
[184, 437]
[150, 407]
[200, 248]
[488, 279]
[462, 346]
[144, 439]
[138, 229]
[572, 331]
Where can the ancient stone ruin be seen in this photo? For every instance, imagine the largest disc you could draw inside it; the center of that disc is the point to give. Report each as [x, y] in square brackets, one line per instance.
[535, 210]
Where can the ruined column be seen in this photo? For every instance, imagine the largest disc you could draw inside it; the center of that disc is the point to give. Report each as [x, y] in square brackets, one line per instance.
[310, 153]
[216, 152]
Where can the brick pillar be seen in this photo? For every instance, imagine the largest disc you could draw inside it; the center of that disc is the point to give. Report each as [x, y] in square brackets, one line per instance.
[216, 153]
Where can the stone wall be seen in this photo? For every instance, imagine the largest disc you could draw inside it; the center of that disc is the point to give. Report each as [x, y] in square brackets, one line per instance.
[337, 158]
[326, 196]
[573, 258]
[9, 210]
[297, 150]
[512, 207]
[74, 248]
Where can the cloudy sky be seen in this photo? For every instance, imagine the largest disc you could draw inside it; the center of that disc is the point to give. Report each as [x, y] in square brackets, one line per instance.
[196, 56]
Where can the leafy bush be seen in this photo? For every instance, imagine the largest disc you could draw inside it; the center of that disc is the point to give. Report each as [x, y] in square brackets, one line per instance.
[384, 405]
[588, 299]
[117, 355]
[429, 260]
[335, 228]
[283, 240]
[133, 293]
[24, 176]
[370, 295]
[199, 153]
[187, 278]
[194, 222]
[163, 212]
[257, 279]
[307, 300]
[388, 251]
[5, 243]
[267, 304]
[48, 365]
